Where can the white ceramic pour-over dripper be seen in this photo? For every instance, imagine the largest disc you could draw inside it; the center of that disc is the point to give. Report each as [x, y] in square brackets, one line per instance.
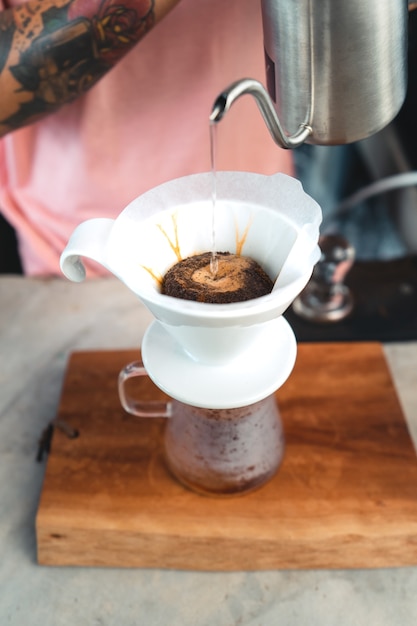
[268, 218]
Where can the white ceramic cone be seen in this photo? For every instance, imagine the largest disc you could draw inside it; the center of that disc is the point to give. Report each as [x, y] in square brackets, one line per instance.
[268, 218]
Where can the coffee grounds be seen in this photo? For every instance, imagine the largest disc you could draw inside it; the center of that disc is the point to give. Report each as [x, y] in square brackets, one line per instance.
[238, 278]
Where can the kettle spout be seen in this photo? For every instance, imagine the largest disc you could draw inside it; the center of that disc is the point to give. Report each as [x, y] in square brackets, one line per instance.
[254, 88]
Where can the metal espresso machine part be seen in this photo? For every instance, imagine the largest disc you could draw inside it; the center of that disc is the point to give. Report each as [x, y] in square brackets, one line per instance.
[336, 73]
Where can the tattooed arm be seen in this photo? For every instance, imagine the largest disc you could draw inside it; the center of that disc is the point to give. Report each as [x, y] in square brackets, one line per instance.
[52, 51]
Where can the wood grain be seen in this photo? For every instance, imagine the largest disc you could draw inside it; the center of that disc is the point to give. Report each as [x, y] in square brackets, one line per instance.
[344, 497]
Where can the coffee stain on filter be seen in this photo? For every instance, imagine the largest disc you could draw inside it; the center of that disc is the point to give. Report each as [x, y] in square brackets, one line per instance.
[240, 241]
[174, 244]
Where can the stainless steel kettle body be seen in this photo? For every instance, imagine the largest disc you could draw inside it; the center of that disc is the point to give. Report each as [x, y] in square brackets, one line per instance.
[336, 70]
[337, 66]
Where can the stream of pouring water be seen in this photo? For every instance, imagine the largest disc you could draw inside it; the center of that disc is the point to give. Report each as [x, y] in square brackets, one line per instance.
[214, 263]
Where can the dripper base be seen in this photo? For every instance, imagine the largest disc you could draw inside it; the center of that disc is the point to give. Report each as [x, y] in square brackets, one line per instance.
[256, 373]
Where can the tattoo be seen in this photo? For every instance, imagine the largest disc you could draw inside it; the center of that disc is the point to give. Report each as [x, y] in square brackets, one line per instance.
[7, 31]
[69, 51]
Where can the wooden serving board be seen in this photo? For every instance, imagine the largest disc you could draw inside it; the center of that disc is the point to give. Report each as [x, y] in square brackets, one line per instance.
[344, 497]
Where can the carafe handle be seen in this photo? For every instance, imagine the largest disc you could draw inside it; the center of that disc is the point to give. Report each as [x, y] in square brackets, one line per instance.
[140, 408]
[89, 240]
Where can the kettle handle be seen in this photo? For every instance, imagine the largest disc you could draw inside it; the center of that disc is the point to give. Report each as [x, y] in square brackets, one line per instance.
[89, 239]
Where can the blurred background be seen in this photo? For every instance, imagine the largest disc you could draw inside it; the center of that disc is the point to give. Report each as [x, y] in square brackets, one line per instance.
[368, 193]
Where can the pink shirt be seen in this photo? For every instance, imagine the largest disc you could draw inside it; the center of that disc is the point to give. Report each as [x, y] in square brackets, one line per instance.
[144, 123]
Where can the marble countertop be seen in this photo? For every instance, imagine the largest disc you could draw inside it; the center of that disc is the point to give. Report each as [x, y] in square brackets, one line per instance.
[41, 322]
